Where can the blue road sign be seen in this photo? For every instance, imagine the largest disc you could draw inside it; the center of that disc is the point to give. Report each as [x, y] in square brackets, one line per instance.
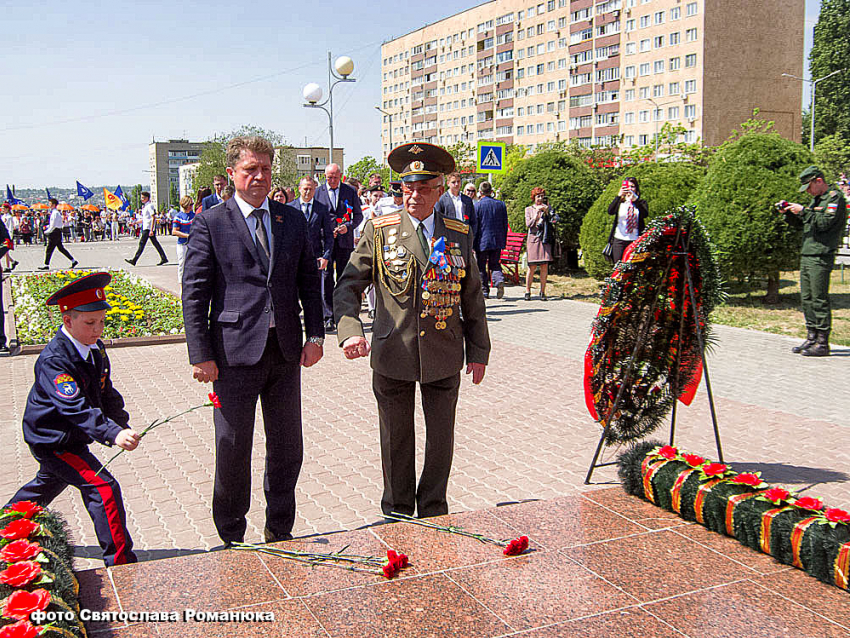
[491, 157]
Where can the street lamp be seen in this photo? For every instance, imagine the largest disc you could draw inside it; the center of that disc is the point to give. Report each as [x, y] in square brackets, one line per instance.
[655, 119]
[812, 107]
[313, 93]
[389, 115]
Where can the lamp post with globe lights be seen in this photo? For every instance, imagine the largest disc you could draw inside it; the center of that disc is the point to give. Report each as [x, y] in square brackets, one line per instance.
[337, 72]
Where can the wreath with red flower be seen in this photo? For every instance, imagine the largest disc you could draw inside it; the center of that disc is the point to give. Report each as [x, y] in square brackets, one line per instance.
[645, 301]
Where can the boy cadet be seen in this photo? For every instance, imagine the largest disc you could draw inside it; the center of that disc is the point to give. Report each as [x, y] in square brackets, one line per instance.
[72, 403]
[430, 316]
[822, 222]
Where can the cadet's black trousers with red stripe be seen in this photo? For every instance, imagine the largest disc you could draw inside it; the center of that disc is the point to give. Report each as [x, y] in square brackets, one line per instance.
[101, 496]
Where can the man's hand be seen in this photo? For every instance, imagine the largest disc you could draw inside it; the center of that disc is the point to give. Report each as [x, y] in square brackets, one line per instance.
[477, 370]
[355, 347]
[342, 229]
[310, 354]
[205, 372]
[794, 208]
[323, 263]
[127, 439]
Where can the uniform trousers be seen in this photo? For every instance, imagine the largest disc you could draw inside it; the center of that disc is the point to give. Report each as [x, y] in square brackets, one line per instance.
[101, 497]
[398, 443]
[277, 383]
[54, 242]
[146, 234]
[338, 262]
[814, 290]
[490, 267]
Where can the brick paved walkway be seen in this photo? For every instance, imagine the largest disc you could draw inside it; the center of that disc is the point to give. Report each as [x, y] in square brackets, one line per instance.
[523, 434]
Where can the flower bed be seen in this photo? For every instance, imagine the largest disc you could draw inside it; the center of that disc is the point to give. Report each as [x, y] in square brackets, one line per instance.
[798, 531]
[138, 308]
[36, 575]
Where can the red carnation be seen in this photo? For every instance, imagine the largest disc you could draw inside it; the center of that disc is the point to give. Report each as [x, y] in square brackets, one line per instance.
[390, 570]
[835, 515]
[19, 550]
[748, 478]
[715, 469]
[20, 528]
[22, 603]
[777, 495]
[400, 561]
[216, 402]
[27, 509]
[20, 574]
[22, 629]
[516, 546]
[808, 503]
[694, 460]
[668, 452]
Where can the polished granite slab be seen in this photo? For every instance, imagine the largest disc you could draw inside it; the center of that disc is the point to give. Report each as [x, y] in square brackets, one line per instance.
[601, 563]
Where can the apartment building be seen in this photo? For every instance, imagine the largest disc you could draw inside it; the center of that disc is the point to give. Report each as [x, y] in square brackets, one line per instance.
[166, 158]
[602, 72]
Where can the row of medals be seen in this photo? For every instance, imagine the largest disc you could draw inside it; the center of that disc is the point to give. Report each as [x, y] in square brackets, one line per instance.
[441, 287]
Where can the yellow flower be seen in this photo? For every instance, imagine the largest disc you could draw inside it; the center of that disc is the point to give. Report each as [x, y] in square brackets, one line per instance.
[125, 318]
[60, 275]
[107, 287]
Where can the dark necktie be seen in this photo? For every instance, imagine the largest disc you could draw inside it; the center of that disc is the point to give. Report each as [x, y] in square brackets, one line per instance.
[333, 198]
[631, 218]
[262, 239]
[307, 211]
[420, 232]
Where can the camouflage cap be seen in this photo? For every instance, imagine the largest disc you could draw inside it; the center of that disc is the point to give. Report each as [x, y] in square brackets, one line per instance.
[810, 173]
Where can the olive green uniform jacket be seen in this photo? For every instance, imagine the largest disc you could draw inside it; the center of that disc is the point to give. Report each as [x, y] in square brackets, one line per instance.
[822, 222]
[406, 341]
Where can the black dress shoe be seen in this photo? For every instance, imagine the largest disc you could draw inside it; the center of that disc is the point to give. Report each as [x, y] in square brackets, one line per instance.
[44, 267]
[330, 326]
[162, 263]
[5, 352]
[270, 537]
[130, 261]
[14, 265]
[74, 263]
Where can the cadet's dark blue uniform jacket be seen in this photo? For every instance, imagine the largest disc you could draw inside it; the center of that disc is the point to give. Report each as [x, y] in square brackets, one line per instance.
[72, 401]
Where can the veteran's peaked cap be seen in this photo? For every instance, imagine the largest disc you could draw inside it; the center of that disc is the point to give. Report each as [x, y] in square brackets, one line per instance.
[419, 161]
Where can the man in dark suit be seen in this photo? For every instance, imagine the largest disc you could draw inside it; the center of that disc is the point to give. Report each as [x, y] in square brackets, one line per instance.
[248, 264]
[454, 204]
[219, 182]
[320, 226]
[490, 239]
[344, 204]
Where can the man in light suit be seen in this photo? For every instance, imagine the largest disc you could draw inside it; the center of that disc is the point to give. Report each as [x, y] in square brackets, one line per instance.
[219, 182]
[455, 204]
[344, 204]
[320, 226]
[248, 265]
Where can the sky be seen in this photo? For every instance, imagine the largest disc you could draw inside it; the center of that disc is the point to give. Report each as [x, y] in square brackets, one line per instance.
[86, 90]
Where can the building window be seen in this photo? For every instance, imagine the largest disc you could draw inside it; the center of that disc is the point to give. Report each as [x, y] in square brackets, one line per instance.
[659, 17]
[520, 130]
[658, 90]
[690, 111]
[629, 95]
[644, 69]
[658, 66]
[630, 25]
[644, 22]
[643, 93]
[690, 60]
[629, 118]
[691, 35]
[644, 45]
[674, 88]
[690, 86]
[675, 38]
[675, 63]
[673, 113]
[675, 13]
[643, 116]
[658, 42]
[691, 9]
[631, 48]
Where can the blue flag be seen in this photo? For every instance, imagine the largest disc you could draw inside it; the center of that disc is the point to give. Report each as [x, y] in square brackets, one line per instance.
[11, 198]
[47, 190]
[84, 192]
[120, 194]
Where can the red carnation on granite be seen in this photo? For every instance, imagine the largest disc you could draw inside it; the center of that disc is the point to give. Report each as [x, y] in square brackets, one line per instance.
[390, 570]
[715, 469]
[27, 509]
[694, 460]
[22, 603]
[399, 560]
[19, 550]
[777, 495]
[516, 546]
[748, 478]
[835, 515]
[20, 528]
[668, 452]
[808, 503]
[22, 629]
[20, 574]
[216, 402]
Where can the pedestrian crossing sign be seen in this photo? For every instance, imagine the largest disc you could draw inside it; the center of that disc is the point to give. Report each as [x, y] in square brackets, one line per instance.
[491, 157]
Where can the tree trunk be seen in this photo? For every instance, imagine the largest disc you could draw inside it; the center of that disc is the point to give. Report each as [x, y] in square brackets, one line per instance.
[772, 296]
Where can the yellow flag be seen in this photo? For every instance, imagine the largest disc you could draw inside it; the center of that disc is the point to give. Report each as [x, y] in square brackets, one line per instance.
[113, 202]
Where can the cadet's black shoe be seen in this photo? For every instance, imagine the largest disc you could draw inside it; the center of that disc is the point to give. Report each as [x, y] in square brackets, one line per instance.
[162, 263]
[821, 346]
[811, 337]
[270, 537]
[130, 261]
[14, 265]
[44, 267]
[74, 263]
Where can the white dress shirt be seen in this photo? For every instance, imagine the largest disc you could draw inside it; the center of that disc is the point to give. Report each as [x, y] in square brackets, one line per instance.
[56, 222]
[458, 206]
[427, 226]
[148, 211]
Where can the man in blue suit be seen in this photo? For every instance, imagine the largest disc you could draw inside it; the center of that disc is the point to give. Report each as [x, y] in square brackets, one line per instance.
[490, 238]
[219, 182]
[248, 265]
[320, 226]
[454, 204]
[344, 205]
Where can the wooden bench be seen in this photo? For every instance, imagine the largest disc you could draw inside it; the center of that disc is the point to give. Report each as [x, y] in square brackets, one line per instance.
[511, 255]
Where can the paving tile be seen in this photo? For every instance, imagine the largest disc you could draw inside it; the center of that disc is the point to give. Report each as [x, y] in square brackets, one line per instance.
[742, 609]
[731, 548]
[657, 564]
[537, 589]
[826, 600]
[624, 623]
[426, 606]
[635, 509]
[565, 522]
[222, 580]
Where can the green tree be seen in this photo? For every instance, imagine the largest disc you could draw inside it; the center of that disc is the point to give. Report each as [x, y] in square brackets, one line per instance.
[213, 157]
[464, 154]
[514, 154]
[664, 186]
[365, 166]
[172, 195]
[832, 155]
[570, 186]
[136, 197]
[750, 172]
[831, 52]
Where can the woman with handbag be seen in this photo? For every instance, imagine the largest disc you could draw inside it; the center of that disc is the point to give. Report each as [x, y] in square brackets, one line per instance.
[630, 213]
[541, 239]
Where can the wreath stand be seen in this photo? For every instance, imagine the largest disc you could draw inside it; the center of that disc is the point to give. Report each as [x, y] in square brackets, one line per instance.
[681, 246]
